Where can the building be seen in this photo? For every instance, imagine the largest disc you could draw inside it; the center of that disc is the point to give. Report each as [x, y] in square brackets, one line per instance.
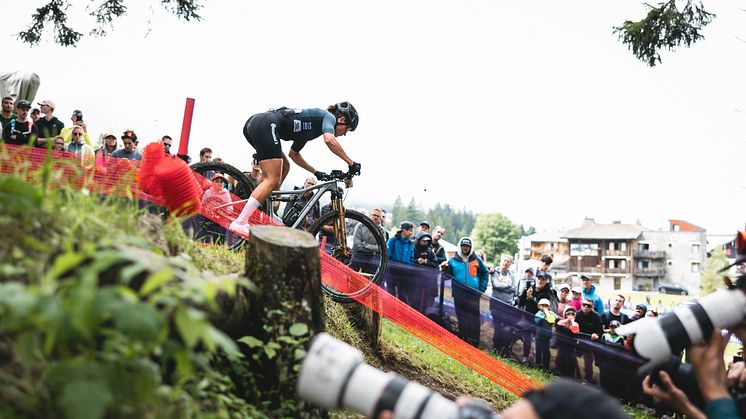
[629, 257]
[604, 252]
[533, 247]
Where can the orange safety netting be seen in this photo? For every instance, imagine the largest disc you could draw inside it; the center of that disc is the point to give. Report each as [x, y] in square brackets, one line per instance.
[164, 181]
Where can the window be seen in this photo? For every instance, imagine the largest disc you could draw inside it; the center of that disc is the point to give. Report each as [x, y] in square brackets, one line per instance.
[623, 247]
[617, 283]
[643, 264]
[611, 245]
[670, 245]
[643, 247]
[695, 249]
[695, 267]
[670, 263]
[676, 227]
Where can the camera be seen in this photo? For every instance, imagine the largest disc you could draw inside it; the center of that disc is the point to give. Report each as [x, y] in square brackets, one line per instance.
[656, 339]
[334, 375]
[78, 116]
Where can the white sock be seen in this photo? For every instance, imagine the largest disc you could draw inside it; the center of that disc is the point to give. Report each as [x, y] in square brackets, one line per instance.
[251, 205]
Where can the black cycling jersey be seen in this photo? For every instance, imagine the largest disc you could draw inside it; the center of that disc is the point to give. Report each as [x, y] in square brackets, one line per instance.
[265, 130]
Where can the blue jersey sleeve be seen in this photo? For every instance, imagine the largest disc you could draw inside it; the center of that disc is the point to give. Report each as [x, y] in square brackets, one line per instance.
[328, 123]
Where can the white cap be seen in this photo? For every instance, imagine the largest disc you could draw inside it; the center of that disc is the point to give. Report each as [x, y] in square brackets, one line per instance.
[543, 301]
[563, 286]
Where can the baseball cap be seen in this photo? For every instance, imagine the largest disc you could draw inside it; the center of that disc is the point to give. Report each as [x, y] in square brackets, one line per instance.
[109, 134]
[543, 301]
[563, 287]
[568, 309]
[424, 222]
[529, 270]
[541, 274]
[48, 103]
[584, 276]
[614, 323]
[465, 241]
[218, 176]
[129, 134]
[563, 399]
[406, 225]
[24, 104]
[577, 290]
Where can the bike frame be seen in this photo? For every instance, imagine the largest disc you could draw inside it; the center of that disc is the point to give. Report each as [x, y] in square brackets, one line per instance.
[323, 187]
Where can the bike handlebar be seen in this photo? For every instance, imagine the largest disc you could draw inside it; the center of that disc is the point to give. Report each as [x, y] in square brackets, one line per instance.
[338, 175]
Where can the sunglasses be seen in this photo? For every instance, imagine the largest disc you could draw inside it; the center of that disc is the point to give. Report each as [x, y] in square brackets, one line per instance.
[572, 313]
[77, 134]
[587, 305]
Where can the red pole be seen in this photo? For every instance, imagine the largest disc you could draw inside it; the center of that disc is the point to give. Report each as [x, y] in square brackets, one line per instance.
[186, 128]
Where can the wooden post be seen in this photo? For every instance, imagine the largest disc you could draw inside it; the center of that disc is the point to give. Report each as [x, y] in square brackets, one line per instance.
[284, 264]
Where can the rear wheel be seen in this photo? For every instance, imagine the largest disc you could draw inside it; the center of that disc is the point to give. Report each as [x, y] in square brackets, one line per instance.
[369, 260]
[205, 228]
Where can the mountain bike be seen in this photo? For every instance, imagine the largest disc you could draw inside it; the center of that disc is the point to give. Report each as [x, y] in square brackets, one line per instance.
[336, 228]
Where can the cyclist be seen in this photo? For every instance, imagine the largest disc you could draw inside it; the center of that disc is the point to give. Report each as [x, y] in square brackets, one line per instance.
[264, 132]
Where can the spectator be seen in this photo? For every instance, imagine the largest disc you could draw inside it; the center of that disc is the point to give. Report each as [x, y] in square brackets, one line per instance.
[526, 281]
[470, 279]
[303, 199]
[79, 147]
[128, 152]
[504, 286]
[59, 143]
[363, 240]
[528, 301]
[422, 290]
[566, 362]
[424, 226]
[48, 126]
[640, 311]
[564, 300]
[35, 114]
[77, 120]
[569, 320]
[383, 223]
[167, 143]
[215, 196]
[544, 319]
[6, 114]
[589, 291]
[20, 131]
[205, 155]
[438, 249]
[590, 324]
[109, 145]
[544, 264]
[255, 176]
[651, 313]
[577, 298]
[615, 313]
[400, 249]
[423, 254]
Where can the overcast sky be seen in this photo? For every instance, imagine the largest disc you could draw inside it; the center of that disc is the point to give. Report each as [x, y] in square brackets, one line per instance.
[529, 108]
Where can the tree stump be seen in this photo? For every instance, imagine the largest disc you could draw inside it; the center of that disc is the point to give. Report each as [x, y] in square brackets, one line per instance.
[284, 264]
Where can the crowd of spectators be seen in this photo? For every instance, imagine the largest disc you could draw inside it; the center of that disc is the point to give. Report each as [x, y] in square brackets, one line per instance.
[20, 124]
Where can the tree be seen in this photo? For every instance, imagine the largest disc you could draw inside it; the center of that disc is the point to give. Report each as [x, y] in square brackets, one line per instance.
[496, 234]
[664, 27]
[711, 279]
[55, 13]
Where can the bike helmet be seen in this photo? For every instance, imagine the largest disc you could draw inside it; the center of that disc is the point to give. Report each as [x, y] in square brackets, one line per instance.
[348, 111]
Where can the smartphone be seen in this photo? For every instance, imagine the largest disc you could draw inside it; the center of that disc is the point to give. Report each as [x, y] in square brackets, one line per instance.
[78, 116]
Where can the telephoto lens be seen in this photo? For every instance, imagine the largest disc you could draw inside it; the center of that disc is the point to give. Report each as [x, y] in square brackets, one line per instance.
[334, 375]
[656, 339]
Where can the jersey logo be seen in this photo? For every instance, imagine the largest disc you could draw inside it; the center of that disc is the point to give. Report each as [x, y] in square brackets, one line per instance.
[274, 136]
[296, 125]
[307, 125]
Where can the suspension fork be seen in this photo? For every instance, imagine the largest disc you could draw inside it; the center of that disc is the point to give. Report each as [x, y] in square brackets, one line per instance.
[339, 226]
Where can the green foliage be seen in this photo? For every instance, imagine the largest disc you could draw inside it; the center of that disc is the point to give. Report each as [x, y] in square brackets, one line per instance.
[664, 27]
[55, 13]
[457, 223]
[711, 279]
[496, 235]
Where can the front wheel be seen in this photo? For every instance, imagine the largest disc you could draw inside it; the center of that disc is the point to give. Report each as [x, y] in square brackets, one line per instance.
[364, 252]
